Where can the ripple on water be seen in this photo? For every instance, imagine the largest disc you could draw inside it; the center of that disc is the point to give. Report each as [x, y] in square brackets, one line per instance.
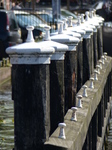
[6, 120]
[6, 126]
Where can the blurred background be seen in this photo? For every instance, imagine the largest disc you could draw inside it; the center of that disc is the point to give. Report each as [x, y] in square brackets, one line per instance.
[40, 13]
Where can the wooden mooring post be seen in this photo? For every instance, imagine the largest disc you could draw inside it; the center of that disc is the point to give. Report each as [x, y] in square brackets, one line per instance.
[31, 93]
[70, 66]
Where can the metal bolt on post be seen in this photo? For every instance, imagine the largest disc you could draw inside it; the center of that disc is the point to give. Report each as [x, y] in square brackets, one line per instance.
[47, 35]
[62, 131]
[91, 83]
[76, 29]
[79, 20]
[65, 23]
[105, 55]
[74, 117]
[79, 101]
[82, 18]
[30, 34]
[100, 63]
[103, 59]
[60, 29]
[87, 15]
[91, 14]
[98, 68]
[84, 91]
[95, 75]
[70, 21]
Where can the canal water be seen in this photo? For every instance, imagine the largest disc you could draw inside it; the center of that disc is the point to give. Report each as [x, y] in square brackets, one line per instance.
[6, 118]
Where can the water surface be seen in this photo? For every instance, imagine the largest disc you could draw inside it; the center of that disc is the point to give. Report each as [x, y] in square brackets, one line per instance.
[6, 118]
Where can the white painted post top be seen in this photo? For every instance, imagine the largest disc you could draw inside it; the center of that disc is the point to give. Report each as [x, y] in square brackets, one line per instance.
[57, 46]
[74, 28]
[74, 34]
[64, 38]
[77, 29]
[82, 18]
[99, 18]
[70, 21]
[88, 29]
[30, 52]
[71, 41]
[90, 20]
[65, 25]
[29, 48]
[30, 34]
[60, 49]
[95, 18]
[85, 23]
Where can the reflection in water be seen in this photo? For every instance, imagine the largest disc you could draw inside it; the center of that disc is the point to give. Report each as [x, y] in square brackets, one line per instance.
[6, 118]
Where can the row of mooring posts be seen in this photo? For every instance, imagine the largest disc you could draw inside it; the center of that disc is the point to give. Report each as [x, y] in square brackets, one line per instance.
[95, 112]
[47, 75]
[98, 128]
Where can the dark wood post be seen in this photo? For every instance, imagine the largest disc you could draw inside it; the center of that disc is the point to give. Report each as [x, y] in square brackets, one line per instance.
[31, 93]
[86, 59]
[57, 91]
[79, 53]
[100, 42]
[94, 130]
[57, 101]
[70, 66]
[90, 136]
[82, 32]
[86, 143]
[80, 65]
[100, 117]
[95, 47]
[87, 48]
